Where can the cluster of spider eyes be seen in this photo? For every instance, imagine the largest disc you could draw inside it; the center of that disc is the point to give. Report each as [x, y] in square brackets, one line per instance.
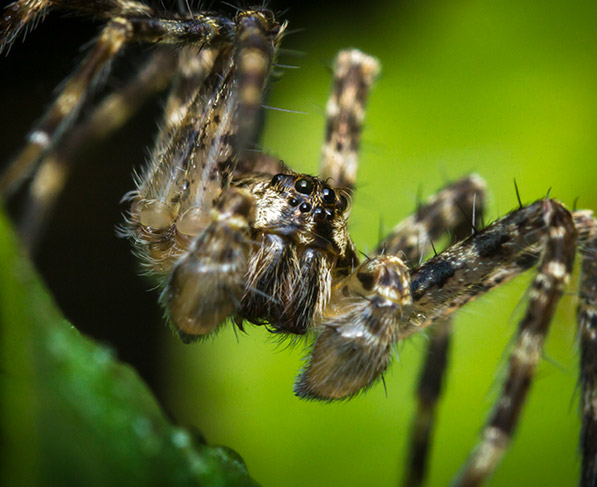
[305, 186]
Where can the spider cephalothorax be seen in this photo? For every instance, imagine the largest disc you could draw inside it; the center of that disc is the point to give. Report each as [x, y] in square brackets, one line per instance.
[277, 242]
[301, 244]
[233, 235]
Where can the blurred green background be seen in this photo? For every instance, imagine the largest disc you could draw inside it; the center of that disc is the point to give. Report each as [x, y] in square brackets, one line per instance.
[504, 89]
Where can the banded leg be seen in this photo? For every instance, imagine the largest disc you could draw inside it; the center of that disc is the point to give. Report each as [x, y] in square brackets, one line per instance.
[454, 209]
[258, 37]
[107, 117]
[431, 379]
[546, 290]
[19, 17]
[490, 257]
[354, 74]
[587, 323]
[191, 72]
[120, 31]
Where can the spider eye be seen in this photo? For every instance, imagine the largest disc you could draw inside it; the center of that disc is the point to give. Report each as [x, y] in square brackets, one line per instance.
[319, 214]
[304, 186]
[305, 208]
[342, 203]
[293, 202]
[329, 196]
[277, 179]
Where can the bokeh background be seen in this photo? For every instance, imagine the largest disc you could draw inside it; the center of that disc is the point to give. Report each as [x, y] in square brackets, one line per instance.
[505, 89]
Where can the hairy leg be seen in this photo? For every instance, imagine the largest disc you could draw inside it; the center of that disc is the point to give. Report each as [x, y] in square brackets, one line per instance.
[111, 113]
[195, 160]
[119, 31]
[587, 323]
[354, 74]
[545, 292]
[206, 285]
[429, 388]
[184, 216]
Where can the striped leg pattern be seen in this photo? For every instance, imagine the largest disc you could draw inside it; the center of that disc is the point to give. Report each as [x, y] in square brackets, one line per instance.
[118, 32]
[545, 292]
[429, 388]
[587, 330]
[354, 74]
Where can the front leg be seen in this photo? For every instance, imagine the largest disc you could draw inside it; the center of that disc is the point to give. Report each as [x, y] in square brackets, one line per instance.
[207, 283]
[381, 295]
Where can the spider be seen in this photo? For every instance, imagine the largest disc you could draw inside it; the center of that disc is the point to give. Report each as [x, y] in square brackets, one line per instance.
[233, 234]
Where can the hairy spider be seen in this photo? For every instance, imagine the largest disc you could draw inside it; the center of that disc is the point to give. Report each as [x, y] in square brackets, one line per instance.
[232, 233]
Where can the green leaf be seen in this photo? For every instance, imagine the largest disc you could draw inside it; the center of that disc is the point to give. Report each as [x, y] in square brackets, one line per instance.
[72, 414]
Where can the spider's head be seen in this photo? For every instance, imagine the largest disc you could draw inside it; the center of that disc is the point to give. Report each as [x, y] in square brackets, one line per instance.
[303, 209]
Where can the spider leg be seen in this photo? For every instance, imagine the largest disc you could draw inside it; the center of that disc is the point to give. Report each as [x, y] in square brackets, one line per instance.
[55, 166]
[431, 379]
[587, 322]
[453, 210]
[508, 247]
[192, 70]
[258, 36]
[195, 160]
[184, 216]
[206, 285]
[354, 74]
[118, 32]
[254, 58]
[554, 228]
[23, 15]
[481, 262]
